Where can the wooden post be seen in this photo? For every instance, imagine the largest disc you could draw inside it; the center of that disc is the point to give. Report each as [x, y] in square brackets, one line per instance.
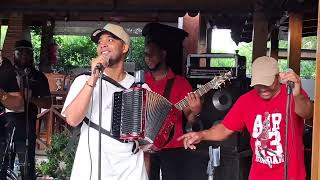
[294, 41]
[202, 44]
[192, 26]
[260, 35]
[315, 162]
[274, 50]
[46, 41]
[15, 32]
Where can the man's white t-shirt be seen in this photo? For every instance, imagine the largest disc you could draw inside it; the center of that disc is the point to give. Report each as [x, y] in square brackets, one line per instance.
[117, 160]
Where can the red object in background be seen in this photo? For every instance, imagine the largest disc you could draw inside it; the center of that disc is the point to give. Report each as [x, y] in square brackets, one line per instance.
[53, 52]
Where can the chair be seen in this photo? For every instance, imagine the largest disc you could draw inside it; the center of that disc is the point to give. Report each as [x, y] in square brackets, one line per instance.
[54, 121]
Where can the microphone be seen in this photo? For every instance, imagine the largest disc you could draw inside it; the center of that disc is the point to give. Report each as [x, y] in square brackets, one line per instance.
[139, 77]
[27, 71]
[290, 84]
[100, 66]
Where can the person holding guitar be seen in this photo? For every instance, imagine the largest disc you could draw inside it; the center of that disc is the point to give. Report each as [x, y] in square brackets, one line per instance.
[266, 120]
[160, 41]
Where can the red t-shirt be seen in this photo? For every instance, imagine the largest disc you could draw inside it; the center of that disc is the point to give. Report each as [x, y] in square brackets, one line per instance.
[265, 120]
[180, 88]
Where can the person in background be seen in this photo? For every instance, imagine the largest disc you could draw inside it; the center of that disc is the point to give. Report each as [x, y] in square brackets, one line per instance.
[34, 88]
[118, 161]
[160, 41]
[265, 120]
[10, 98]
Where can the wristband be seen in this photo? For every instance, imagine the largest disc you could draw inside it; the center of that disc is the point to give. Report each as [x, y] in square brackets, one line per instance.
[90, 85]
[4, 96]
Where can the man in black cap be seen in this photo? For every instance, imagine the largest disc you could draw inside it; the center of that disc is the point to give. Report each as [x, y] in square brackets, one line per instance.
[11, 99]
[35, 90]
[162, 46]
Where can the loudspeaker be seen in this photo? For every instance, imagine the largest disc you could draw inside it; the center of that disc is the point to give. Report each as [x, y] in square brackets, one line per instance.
[216, 104]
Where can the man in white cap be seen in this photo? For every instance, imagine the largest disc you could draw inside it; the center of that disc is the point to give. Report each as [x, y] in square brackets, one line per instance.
[118, 162]
[262, 111]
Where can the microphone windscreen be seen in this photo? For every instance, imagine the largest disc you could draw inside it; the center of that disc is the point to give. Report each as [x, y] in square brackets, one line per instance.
[139, 77]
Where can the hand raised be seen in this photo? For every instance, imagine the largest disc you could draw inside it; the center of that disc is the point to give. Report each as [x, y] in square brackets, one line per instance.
[190, 139]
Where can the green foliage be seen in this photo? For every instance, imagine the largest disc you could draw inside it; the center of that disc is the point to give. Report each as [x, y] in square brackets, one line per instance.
[222, 62]
[3, 31]
[245, 49]
[307, 67]
[60, 156]
[75, 50]
[137, 52]
[309, 42]
[36, 43]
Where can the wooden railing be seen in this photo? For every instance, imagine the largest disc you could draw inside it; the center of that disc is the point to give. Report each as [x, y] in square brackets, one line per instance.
[50, 121]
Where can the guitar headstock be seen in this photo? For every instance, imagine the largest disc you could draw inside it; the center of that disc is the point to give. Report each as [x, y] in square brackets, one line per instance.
[220, 80]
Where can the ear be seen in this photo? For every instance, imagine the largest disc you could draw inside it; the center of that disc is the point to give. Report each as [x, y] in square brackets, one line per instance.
[125, 48]
[163, 54]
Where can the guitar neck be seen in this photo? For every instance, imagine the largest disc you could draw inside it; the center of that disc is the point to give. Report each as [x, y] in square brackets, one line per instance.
[201, 91]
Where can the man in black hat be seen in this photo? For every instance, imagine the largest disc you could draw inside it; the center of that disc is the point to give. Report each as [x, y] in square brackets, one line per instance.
[162, 46]
[11, 99]
[35, 90]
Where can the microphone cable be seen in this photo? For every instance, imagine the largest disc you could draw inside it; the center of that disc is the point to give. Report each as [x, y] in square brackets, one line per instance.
[88, 139]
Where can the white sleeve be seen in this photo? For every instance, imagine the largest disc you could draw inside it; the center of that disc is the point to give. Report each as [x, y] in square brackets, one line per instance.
[145, 85]
[74, 90]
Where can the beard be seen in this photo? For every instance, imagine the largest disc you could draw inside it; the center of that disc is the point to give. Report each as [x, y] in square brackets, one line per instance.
[113, 61]
[155, 68]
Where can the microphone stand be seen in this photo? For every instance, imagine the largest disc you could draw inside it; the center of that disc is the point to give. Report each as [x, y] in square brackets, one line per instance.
[214, 155]
[100, 120]
[288, 110]
[26, 93]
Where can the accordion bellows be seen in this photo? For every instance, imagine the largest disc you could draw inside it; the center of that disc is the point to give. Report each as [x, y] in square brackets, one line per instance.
[138, 114]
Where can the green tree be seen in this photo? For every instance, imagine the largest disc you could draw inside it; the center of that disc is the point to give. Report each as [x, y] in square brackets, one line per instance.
[307, 66]
[136, 53]
[77, 51]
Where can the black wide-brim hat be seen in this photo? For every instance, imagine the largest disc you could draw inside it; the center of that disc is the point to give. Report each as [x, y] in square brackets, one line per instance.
[163, 35]
[23, 44]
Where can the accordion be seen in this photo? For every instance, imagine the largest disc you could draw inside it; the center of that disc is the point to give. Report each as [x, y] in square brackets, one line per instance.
[140, 114]
[145, 116]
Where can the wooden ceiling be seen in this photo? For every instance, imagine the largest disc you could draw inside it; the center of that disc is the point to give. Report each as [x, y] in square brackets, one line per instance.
[127, 5]
[232, 14]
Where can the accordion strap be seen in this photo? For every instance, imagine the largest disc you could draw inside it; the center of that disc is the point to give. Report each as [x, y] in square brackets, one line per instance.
[135, 147]
[103, 131]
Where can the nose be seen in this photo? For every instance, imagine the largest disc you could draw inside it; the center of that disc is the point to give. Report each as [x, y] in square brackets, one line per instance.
[103, 44]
